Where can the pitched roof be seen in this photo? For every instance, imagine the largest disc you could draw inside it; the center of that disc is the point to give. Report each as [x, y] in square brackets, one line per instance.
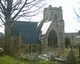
[45, 27]
[28, 31]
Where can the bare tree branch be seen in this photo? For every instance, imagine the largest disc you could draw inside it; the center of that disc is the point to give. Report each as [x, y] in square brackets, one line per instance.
[19, 8]
[15, 8]
[76, 13]
[2, 21]
[19, 11]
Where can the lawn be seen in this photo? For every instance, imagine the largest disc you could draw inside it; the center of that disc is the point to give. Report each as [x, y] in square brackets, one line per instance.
[12, 60]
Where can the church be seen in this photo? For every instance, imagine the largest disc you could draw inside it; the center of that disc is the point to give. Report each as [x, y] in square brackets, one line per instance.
[52, 28]
[45, 37]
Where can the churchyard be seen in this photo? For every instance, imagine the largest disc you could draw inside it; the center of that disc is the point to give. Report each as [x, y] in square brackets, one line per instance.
[35, 58]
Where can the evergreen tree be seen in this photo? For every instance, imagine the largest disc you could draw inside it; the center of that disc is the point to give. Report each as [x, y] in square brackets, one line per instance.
[71, 59]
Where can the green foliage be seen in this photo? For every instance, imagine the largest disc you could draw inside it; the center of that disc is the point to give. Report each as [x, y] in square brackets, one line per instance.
[71, 59]
[43, 62]
[13, 60]
[67, 41]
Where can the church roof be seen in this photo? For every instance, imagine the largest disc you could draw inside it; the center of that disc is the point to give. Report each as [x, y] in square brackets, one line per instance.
[28, 31]
[40, 25]
[45, 27]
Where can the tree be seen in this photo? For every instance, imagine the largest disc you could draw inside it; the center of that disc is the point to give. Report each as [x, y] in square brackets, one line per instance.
[77, 12]
[71, 59]
[12, 10]
[67, 41]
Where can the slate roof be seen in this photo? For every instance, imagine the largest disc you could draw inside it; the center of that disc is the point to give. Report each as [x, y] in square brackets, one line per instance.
[28, 31]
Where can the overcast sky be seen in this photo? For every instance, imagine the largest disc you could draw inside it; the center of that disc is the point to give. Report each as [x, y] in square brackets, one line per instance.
[71, 22]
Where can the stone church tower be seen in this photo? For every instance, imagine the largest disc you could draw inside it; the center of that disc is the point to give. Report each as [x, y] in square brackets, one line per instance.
[52, 29]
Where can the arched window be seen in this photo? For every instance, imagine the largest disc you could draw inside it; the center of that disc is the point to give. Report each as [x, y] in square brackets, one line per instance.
[55, 16]
[52, 39]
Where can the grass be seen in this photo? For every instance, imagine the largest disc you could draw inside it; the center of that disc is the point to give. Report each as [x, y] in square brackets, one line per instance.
[4, 59]
[12, 60]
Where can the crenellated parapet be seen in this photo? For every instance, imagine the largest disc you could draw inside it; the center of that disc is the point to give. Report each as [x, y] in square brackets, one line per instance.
[52, 13]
